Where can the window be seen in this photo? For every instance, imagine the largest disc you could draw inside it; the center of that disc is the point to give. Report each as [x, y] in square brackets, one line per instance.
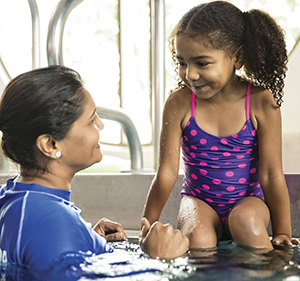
[108, 43]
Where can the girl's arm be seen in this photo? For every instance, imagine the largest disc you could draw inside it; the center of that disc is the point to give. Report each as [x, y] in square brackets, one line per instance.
[271, 177]
[169, 155]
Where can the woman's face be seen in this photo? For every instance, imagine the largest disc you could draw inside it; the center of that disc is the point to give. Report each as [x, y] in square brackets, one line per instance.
[80, 148]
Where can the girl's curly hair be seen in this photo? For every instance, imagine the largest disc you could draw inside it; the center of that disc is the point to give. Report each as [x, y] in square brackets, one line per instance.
[227, 28]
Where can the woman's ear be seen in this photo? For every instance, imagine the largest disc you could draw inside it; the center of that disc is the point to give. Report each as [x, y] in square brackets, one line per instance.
[239, 58]
[46, 144]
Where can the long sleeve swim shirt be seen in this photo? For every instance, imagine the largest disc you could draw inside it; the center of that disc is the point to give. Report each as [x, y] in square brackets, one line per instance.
[38, 224]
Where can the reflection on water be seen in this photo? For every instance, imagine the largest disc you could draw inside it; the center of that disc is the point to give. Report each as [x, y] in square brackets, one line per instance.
[228, 261]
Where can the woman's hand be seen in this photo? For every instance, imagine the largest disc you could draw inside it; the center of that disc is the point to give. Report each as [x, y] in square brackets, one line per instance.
[284, 240]
[110, 230]
[162, 241]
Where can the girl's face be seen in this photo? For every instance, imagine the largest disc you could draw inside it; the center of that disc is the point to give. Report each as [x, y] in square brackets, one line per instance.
[205, 70]
[80, 148]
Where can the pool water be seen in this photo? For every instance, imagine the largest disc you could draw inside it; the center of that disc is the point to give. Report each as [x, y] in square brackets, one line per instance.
[228, 261]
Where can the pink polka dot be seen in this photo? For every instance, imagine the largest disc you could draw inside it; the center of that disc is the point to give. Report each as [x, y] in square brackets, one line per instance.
[258, 185]
[204, 153]
[203, 141]
[236, 149]
[186, 148]
[226, 154]
[246, 142]
[252, 158]
[242, 165]
[184, 195]
[194, 176]
[193, 193]
[251, 184]
[203, 163]
[216, 181]
[249, 151]
[209, 200]
[229, 174]
[240, 156]
[186, 158]
[251, 194]
[221, 205]
[231, 200]
[193, 155]
[186, 166]
[193, 147]
[215, 167]
[188, 123]
[214, 148]
[219, 195]
[192, 164]
[244, 128]
[189, 180]
[193, 132]
[203, 172]
[242, 193]
[205, 186]
[198, 190]
[224, 141]
[253, 170]
[253, 132]
[235, 136]
[242, 180]
[228, 163]
[230, 188]
[185, 137]
[215, 159]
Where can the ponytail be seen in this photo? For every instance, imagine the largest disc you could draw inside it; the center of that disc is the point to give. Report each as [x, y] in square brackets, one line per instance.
[265, 56]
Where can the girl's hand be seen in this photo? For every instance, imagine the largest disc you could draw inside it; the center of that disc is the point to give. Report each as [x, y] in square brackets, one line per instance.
[162, 241]
[284, 240]
[110, 230]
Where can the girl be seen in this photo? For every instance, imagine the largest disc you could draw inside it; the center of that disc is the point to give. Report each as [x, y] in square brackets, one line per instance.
[229, 129]
[50, 128]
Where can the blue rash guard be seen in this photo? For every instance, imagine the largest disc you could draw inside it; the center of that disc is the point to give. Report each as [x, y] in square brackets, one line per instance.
[38, 224]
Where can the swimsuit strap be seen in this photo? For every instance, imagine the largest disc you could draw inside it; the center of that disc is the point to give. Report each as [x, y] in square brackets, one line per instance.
[248, 101]
[193, 105]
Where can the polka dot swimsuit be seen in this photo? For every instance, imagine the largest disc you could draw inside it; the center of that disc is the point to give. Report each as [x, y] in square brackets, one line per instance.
[220, 170]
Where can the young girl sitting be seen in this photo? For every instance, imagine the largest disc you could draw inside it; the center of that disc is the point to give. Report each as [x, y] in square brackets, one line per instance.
[229, 129]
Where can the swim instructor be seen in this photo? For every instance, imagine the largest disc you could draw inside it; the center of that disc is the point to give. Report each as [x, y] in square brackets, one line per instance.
[51, 130]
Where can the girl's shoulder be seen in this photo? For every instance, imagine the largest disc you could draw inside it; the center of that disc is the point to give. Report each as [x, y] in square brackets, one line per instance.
[180, 98]
[262, 98]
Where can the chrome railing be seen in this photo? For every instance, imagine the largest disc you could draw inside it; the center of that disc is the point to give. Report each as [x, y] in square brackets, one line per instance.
[55, 56]
[158, 69]
[36, 49]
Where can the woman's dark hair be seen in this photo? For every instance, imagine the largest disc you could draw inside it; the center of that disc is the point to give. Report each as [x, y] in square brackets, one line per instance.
[227, 28]
[42, 101]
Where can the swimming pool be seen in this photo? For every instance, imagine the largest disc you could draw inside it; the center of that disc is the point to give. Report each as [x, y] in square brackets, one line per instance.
[228, 261]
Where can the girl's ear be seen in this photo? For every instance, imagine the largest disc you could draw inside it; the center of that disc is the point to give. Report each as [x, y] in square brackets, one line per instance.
[239, 58]
[46, 144]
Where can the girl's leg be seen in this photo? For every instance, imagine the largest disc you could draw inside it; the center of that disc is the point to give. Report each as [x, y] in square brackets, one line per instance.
[248, 221]
[199, 222]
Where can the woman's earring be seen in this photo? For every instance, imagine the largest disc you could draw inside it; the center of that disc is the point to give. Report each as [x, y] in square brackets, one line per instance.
[58, 154]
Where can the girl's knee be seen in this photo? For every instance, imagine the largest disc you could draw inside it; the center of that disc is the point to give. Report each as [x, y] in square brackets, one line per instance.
[202, 238]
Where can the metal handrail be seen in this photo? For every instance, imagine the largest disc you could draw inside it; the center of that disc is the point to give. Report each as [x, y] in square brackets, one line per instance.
[134, 144]
[56, 30]
[55, 57]
[36, 48]
[158, 69]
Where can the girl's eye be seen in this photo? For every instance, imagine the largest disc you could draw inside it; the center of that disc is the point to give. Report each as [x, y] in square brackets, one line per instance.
[181, 63]
[202, 63]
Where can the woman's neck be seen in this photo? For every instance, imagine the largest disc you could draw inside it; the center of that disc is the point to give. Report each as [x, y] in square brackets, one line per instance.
[47, 179]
